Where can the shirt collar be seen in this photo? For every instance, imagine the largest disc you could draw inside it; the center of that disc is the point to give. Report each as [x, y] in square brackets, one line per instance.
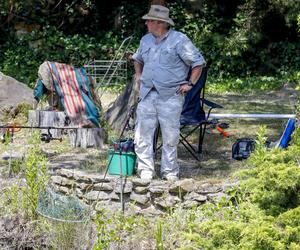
[165, 35]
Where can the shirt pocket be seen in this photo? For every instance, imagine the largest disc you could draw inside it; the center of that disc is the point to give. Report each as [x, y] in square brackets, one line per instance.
[145, 54]
[168, 57]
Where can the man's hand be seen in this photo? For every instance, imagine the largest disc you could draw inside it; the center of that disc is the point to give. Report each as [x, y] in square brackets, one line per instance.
[184, 88]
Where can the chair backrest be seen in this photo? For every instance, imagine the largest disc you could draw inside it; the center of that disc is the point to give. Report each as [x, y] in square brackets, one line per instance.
[193, 112]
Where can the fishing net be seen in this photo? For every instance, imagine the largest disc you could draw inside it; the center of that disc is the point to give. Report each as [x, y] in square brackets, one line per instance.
[68, 219]
[60, 207]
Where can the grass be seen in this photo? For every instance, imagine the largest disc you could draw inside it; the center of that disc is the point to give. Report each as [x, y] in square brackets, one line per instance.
[250, 83]
[215, 161]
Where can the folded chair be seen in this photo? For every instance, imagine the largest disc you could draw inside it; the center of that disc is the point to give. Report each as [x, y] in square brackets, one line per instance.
[194, 117]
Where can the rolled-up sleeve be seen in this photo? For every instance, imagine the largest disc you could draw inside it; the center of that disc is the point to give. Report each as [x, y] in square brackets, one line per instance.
[189, 53]
[137, 56]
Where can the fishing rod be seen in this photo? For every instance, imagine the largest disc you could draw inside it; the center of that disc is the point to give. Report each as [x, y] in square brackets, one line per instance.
[10, 129]
[12, 126]
[36, 127]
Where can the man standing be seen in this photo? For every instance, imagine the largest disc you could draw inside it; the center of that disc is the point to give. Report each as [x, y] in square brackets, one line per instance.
[162, 64]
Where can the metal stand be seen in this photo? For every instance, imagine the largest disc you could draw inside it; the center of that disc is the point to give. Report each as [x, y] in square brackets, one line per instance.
[128, 127]
[11, 134]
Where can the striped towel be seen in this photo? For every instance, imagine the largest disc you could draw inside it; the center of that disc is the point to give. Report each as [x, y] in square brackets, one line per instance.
[72, 86]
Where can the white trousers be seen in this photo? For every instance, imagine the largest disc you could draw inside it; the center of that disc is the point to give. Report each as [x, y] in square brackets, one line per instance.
[151, 111]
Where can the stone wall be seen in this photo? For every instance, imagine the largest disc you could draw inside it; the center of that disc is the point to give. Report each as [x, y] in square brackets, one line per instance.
[139, 196]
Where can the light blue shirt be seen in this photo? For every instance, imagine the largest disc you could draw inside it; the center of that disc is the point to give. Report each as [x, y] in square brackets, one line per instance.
[167, 64]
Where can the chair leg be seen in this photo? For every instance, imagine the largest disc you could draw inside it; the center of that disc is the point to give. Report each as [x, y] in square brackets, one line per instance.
[189, 148]
[201, 137]
[183, 140]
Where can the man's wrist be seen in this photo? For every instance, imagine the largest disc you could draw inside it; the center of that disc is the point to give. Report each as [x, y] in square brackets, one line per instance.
[190, 83]
[137, 77]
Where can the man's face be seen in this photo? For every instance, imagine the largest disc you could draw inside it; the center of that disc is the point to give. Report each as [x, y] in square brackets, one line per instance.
[152, 25]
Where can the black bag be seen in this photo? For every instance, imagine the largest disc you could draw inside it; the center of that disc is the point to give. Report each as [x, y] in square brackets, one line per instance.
[124, 145]
[242, 148]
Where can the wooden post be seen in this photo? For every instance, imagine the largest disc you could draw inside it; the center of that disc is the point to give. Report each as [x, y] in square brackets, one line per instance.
[42, 118]
[87, 137]
[81, 137]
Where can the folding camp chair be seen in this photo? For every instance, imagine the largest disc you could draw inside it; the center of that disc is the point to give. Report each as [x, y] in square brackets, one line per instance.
[193, 117]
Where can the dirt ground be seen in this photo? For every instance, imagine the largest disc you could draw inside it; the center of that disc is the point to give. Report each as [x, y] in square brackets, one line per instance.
[215, 161]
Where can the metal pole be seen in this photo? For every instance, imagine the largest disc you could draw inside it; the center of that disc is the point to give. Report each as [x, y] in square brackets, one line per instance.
[259, 116]
[121, 181]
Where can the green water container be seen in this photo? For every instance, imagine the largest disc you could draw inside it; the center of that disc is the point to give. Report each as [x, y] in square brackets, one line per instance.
[115, 159]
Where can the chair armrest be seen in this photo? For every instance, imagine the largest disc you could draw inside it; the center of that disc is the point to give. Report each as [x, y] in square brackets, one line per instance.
[212, 105]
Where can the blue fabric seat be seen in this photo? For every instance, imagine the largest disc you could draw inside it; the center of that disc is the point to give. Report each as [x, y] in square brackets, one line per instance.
[192, 111]
[195, 115]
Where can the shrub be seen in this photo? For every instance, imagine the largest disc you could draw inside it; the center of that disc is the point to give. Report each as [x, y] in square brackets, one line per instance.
[23, 57]
[273, 182]
[265, 212]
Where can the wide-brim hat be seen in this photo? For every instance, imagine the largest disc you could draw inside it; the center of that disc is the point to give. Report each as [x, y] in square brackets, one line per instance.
[159, 13]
